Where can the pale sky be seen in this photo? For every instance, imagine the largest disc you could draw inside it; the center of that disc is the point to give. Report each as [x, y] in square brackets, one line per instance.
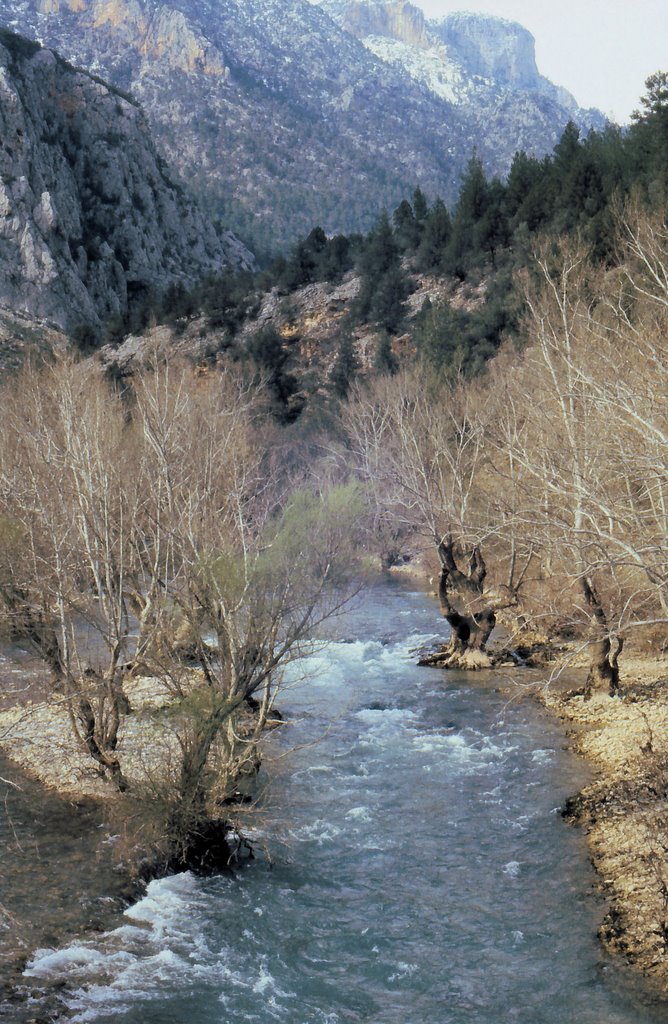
[600, 50]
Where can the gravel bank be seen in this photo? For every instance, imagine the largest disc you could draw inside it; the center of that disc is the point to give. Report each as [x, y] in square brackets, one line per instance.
[624, 811]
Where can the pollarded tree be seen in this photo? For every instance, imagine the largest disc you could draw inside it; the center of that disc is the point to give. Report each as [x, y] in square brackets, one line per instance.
[583, 421]
[421, 446]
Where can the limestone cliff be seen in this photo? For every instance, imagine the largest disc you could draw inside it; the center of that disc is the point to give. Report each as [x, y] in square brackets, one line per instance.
[396, 19]
[491, 48]
[88, 215]
[160, 33]
[481, 63]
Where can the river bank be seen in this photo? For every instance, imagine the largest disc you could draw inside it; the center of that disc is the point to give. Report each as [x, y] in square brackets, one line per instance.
[59, 878]
[624, 810]
[420, 866]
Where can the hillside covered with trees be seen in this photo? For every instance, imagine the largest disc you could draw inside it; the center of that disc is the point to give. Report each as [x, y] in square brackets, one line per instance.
[465, 261]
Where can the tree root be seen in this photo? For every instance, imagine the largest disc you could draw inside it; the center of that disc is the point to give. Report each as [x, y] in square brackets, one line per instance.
[465, 661]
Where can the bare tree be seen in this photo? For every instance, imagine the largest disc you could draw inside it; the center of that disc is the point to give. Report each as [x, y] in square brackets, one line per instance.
[238, 564]
[145, 536]
[579, 414]
[66, 488]
[422, 448]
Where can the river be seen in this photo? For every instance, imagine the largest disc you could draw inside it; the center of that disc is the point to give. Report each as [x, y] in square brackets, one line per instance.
[420, 868]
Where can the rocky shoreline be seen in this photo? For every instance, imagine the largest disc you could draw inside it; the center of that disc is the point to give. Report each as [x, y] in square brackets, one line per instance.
[624, 810]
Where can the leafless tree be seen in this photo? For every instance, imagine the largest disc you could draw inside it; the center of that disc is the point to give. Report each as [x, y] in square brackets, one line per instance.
[149, 538]
[585, 420]
[66, 489]
[237, 565]
[422, 447]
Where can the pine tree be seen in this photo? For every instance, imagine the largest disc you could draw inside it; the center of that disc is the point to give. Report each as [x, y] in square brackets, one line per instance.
[383, 286]
[406, 227]
[335, 259]
[388, 303]
[420, 206]
[304, 262]
[655, 99]
[492, 230]
[464, 248]
[432, 256]
[267, 348]
[648, 137]
[386, 362]
[345, 368]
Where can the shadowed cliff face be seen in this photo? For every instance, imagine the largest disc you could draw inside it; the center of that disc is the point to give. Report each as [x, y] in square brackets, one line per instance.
[88, 216]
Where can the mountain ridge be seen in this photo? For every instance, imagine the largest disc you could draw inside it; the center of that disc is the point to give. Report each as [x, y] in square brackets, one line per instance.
[281, 117]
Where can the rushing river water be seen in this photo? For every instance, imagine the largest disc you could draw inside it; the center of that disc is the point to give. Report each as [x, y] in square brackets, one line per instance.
[421, 870]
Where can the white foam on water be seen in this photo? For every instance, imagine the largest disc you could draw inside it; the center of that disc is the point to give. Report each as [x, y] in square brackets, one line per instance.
[161, 948]
[266, 985]
[334, 660]
[73, 961]
[454, 744]
[359, 813]
[319, 831]
[542, 756]
[512, 868]
[341, 662]
[262, 984]
[403, 970]
[386, 718]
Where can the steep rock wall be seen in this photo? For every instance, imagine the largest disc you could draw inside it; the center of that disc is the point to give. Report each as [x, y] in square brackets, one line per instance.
[88, 214]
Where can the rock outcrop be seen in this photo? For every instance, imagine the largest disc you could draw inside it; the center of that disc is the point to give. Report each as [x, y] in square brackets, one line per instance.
[477, 61]
[395, 19]
[25, 338]
[89, 218]
[493, 48]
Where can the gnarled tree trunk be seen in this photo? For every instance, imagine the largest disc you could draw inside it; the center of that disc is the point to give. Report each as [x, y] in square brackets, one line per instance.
[603, 658]
[471, 624]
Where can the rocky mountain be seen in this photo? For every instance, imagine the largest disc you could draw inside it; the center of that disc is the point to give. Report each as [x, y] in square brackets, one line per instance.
[89, 218]
[485, 66]
[285, 113]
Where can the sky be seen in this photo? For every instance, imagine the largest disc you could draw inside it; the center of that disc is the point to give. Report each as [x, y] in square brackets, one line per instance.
[600, 50]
